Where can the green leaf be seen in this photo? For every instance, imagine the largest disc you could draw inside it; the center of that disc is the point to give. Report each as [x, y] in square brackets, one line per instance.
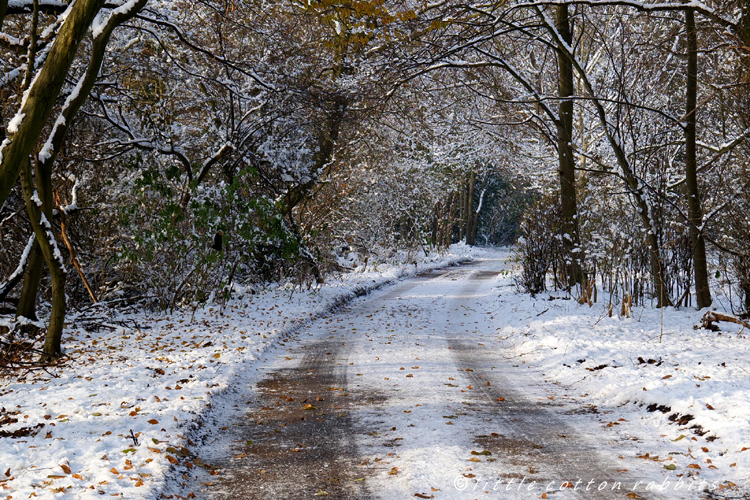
[670, 467]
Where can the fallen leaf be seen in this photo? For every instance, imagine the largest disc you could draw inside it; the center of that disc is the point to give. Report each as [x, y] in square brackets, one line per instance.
[78, 476]
[434, 489]
[694, 466]
[709, 406]
[474, 459]
[153, 421]
[65, 468]
[501, 399]
[670, 467]
[632, 495]
[114, 471]
[422, 495]
[705, 450]
[393, 471]
[483, 452]
[171, 459]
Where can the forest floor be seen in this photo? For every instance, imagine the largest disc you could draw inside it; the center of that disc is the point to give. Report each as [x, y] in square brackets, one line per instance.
[447, 385]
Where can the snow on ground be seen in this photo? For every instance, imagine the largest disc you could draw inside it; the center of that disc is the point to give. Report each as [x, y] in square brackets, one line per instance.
[681, 396]
[116, 418]
[155, 377]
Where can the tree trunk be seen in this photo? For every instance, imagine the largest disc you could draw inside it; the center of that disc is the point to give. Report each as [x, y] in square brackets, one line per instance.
[43, 230]
[461, 211]
[700, 266]
[449, 222]
[31, 279]
[469, 221]
[567, 173]
[33, 275]
[745, 35]
[634, 186]
[42, 94]
[744, 32]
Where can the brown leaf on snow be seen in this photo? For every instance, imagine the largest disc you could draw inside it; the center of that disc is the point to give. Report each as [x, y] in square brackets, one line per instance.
[78, 476]
[694, 466]
[65, 468]
[153, 421]
[709, 406]
[500, 399]
[393, 471]
[114, 471]
[705, 450]
[171, 459]
[422, 495]
[632, 495]
[7, 472]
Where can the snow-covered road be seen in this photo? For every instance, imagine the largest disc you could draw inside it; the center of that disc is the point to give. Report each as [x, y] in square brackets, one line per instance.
[407, 393]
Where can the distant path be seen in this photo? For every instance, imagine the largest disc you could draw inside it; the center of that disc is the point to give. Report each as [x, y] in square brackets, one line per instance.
[389, 397]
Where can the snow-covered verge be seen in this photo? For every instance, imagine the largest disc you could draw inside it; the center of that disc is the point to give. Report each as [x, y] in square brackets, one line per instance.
[674, 396]
[116, 418]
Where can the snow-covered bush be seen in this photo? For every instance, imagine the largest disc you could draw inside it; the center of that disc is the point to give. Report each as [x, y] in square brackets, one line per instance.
[540, 246]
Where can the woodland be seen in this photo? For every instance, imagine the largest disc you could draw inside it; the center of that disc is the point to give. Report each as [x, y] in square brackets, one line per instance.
[156, 152]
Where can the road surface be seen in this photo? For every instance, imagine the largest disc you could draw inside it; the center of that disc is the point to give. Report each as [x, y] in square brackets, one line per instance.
[407, 394]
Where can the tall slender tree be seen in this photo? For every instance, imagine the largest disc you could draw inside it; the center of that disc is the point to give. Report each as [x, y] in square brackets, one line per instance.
[695, 214]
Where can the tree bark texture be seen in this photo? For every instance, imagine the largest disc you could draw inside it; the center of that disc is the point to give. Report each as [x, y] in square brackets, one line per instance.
[567, 174]
[43, 231]
[700, 266]
[42, 95]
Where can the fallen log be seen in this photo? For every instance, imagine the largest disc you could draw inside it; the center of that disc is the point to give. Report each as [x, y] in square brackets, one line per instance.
[711, 317]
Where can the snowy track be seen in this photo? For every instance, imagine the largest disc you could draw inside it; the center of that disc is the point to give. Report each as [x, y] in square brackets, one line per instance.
[406, 394]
